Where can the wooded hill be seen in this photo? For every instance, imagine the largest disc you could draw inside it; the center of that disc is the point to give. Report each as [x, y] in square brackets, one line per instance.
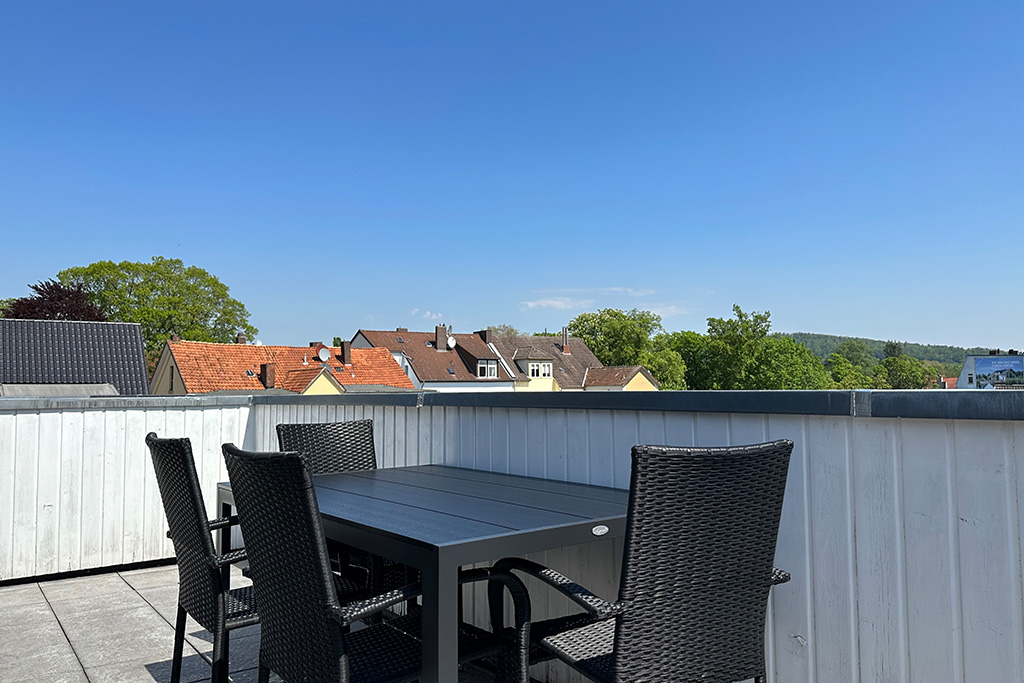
[822, 346]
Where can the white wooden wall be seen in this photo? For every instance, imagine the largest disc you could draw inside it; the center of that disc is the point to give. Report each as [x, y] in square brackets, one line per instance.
[903, 535]
[77, 489]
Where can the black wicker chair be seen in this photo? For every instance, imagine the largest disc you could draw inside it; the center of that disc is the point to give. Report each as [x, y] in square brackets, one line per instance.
[304, 626]
[345, 447]
[204, 590]
[696, 572]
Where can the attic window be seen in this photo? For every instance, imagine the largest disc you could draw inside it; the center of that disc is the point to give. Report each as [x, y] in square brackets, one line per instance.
[487, 368]
[451, 371]
[400, 340]
[339, 368]
[429, 343]
[250, 373]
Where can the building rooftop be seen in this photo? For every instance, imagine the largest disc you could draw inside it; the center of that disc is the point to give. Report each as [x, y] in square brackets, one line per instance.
[63, 352]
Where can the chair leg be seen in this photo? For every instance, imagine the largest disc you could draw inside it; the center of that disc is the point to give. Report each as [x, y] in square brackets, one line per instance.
[179, 644]
[220, 656]
[264, 676]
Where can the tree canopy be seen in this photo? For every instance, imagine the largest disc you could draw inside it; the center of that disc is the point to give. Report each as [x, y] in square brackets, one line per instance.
[53, 301]
[505, 330]
[619, 337]
[165, 297]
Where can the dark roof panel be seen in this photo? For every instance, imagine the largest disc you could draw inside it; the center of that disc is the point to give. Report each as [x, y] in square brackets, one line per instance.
[73, 352]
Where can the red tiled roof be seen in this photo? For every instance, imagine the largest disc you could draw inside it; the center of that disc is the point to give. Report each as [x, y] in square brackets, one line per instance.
[206, 367]
[568, 369]
[432, 365]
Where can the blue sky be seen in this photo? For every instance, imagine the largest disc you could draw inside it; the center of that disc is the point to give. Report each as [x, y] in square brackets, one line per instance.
[855, 169]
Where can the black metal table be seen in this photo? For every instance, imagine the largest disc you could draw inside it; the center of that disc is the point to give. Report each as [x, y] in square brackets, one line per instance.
[439, 518]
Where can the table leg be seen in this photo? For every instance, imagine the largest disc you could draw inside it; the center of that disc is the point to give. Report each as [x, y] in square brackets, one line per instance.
[440, 623]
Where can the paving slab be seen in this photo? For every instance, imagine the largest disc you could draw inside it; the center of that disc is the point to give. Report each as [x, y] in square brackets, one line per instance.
[149, 578]
[24, 594]
[83, 586]
[103, 638]
[33, 647]
[194, 667]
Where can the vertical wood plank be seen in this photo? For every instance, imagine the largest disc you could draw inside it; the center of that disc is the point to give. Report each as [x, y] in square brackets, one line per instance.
[53, 518]
[8, 427]
[26, 479]
[985, 565]
[93, 495]
[71, 522]
[113, 486]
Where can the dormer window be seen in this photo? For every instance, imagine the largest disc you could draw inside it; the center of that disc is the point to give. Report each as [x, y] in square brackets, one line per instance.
[540, 369]
[487, 368]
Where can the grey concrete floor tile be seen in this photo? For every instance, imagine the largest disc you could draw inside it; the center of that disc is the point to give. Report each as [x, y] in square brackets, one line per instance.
[77, 588]
[243, 651]
[137, 634]
[23, 594]
[149, 578]
[33, 647]
[194, 667]
[107, 602]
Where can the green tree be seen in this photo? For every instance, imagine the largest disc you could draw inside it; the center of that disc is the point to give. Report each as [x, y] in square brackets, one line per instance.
[858, 353]
[616, 337]
[892, 349]
[846, 375]
[902, 372]
[629, 338]
[692, 348]
[165, 297]
[782, 363]
[504, 331]
[734, 344]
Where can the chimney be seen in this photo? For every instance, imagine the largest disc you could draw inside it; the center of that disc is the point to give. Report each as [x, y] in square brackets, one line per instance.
[485, 335]
[440, 338]
[315, 344]
[267, 375]
[175, 338]
[346, 352]
[240, 338]
[565, 342]
[401, 329]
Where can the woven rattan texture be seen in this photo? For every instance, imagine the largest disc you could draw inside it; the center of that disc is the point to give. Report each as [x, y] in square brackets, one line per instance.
[697, 564]
[345, 447]
[278, 514]
[331, 447]
[199, 581]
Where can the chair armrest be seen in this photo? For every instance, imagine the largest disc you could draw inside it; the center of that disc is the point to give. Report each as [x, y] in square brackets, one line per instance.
[348, 614]
[228, 558]
[595, 606]
[222, 522]
[779, 576]
[218, 523]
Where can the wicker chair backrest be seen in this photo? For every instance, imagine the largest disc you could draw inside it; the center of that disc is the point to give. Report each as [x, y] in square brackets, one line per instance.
[199, 582]
[331, 447]
[292, 584]
[697, 566]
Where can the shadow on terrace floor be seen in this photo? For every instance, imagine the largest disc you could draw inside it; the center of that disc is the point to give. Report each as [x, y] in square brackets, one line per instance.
[113, 628]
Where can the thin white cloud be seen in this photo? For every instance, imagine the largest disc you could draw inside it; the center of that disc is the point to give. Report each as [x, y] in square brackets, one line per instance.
[563, 303]
[432, 316]
[414, 311]
[667, 310]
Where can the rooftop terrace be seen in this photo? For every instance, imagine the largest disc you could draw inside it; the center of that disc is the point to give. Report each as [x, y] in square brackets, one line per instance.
[902, 525]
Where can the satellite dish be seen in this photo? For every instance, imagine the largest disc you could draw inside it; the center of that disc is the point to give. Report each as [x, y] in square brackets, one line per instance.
[323, 354]
[258, 343]
[451, 342]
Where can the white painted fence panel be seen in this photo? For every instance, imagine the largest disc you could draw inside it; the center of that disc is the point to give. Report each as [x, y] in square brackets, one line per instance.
[903, 535]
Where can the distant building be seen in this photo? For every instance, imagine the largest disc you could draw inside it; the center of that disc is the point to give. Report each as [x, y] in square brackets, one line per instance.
[71, 358]
[439, 360]
[188, 367]
[993, 371]
[549, 363]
